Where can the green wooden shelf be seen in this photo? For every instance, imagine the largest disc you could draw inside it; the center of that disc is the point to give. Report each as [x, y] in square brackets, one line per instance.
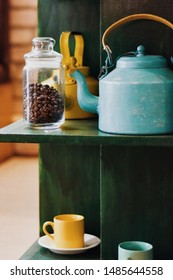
[78, 132]
[113, 180]
[35, 252]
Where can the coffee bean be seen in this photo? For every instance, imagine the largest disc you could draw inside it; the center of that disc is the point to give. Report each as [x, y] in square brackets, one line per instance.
[42, 104]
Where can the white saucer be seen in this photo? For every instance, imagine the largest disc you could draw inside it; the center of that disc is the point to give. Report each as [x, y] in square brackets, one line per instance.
[90, 241]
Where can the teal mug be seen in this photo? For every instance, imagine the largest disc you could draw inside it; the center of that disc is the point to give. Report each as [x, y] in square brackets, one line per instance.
[135, 250]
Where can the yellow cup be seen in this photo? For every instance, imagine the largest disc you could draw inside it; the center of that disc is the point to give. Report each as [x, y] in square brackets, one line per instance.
[68, 230]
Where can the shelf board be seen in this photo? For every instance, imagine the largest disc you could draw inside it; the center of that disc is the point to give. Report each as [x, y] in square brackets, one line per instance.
[78, 132]
[35, 252]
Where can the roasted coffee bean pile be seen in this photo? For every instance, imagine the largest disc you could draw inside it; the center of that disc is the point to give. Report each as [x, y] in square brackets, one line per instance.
[44, 102]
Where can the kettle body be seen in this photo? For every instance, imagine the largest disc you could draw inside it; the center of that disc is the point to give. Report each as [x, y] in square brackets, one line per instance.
[137, 102]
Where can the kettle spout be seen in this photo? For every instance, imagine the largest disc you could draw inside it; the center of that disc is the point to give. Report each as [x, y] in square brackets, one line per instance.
[86, 100]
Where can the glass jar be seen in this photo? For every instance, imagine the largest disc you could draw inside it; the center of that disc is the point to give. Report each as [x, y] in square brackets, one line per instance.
[43, 86]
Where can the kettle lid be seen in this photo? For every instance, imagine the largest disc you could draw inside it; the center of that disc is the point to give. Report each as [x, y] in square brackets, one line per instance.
[139, 60]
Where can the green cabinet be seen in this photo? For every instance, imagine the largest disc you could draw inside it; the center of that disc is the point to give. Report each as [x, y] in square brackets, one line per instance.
[122, 184]
[133, 190]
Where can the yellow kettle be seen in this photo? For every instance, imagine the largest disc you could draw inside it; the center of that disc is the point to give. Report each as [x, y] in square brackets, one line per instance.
[72, 63]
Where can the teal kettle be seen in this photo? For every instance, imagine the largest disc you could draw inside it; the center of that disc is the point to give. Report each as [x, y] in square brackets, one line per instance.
[137, 96]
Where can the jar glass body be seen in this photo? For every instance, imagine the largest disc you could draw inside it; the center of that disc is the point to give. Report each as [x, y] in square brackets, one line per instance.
[43, 89]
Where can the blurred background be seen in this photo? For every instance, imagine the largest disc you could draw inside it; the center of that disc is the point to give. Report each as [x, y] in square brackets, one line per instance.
[18, 162]
[18, 25]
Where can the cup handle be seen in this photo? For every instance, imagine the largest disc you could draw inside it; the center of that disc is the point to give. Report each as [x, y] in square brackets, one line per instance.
[48, 223]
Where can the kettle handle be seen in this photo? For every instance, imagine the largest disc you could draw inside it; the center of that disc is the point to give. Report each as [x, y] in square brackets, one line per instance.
[132, 18]
[79, 47]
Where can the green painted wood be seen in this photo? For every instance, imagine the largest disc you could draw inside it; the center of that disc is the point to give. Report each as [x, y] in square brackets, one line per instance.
[132, 183]
[78, 132]
[35, 252]
[156, 37]
[92, 18]
[136, 198]
[81, 16]
[69, 183]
